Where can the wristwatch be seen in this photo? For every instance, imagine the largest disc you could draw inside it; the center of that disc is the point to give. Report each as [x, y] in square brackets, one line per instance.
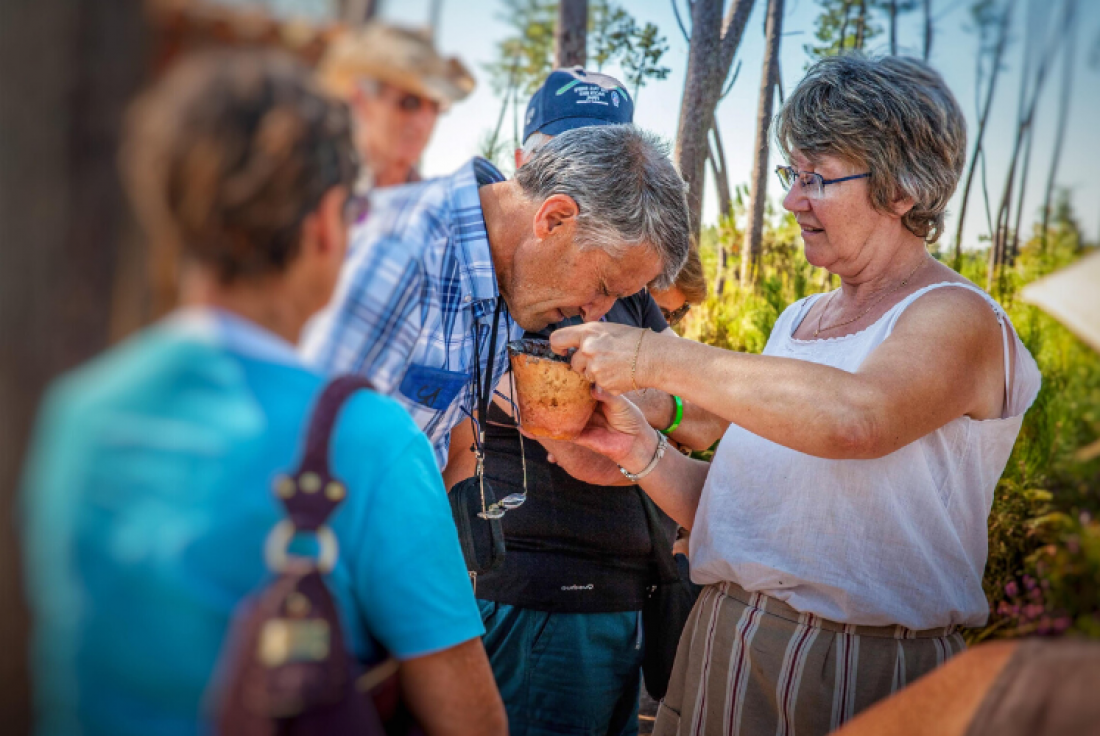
[662, 444]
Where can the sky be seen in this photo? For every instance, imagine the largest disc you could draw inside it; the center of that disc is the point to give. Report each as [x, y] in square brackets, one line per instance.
[470, 29]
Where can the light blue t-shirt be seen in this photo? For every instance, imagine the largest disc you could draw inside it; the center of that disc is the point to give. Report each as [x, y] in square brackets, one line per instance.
[147, 500]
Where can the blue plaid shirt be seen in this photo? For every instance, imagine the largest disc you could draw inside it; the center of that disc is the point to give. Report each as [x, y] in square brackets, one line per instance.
[416, 299]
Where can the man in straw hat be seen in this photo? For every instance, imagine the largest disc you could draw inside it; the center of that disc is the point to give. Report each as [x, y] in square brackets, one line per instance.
[396, 84]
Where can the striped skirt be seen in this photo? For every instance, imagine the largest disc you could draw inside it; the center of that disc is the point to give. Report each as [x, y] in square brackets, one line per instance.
[749, 664]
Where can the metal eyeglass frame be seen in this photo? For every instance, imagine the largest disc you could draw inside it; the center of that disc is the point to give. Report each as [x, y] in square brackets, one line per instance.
[783, 172]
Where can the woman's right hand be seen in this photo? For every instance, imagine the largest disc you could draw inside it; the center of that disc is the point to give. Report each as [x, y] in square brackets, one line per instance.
[618, 430]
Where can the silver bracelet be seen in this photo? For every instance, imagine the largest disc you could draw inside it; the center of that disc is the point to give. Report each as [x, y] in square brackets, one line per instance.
[662, 444]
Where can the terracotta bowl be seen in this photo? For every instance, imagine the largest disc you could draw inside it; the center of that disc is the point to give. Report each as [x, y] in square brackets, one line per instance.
[554, 400]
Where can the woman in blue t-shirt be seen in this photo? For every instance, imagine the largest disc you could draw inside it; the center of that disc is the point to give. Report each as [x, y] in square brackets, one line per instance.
[148, 493]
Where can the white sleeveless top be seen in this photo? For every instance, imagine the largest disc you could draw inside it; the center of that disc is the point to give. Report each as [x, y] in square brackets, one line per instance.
[900, 539]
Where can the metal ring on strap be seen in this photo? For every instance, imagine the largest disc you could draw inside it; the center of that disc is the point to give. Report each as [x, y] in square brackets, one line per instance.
[278, 542]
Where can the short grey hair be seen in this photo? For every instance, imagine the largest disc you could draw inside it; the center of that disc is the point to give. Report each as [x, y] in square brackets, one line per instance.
[894, 115]
[534, 142]
[626, 189]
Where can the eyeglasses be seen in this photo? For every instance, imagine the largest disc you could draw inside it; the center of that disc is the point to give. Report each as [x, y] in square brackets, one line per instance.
[356, 207]
[674, 316]
[409, 102]
[813, 185]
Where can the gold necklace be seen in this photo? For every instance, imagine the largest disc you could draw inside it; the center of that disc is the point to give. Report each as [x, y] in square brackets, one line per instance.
[863, 314]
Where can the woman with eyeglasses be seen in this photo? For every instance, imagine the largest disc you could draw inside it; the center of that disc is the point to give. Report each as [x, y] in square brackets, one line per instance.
[150, 490]
[841, 527]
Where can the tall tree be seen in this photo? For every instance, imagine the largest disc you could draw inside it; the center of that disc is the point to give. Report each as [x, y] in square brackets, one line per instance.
[720, 172]
[570, 38]
[359, 11]
[861, 26]
[641, 57]
[927, 29]
[1031, 90]
[435, 14]
[842, 25]
[61, 218]
[1069, 64]
[527, 55]
[893, 27]
[992, 22]
[714, 41]
[754, 231]
[609, 31]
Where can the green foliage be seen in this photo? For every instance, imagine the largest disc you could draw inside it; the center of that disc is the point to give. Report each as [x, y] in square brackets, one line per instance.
[1042, 533]
[843, 25]
[641, 56]
[1043, 570]
[609, 31]
[526, 56]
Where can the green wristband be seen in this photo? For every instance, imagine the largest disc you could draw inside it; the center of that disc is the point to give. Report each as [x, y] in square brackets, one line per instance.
[677, 418]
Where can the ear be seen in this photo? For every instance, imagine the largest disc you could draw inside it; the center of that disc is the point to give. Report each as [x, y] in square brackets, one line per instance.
[324, 232]
[902, 205]
[519, 157]
[556, 216]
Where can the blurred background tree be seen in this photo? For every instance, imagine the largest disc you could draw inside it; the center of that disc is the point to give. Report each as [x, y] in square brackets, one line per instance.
[527, 55]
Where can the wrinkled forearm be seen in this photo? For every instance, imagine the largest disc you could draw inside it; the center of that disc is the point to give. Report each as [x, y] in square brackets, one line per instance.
[675, 485]
[699, 428]
[815, 409]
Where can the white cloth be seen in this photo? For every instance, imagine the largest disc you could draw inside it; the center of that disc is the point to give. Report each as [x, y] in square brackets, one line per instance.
[900, 539]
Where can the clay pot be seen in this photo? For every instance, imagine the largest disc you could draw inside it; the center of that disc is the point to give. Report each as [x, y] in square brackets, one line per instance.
[554, 400]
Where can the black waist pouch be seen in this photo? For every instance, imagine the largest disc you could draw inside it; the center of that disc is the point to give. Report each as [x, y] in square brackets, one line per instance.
[482, 540]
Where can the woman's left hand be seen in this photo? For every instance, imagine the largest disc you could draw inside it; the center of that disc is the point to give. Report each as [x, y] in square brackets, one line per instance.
[605, 353]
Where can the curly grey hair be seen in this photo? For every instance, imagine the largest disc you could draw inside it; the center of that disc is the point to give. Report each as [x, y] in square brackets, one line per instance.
[894, 115]
[627, 190]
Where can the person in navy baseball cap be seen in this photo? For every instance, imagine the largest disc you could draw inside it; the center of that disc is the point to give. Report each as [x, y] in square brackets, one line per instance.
[579, 555]
[573, 98]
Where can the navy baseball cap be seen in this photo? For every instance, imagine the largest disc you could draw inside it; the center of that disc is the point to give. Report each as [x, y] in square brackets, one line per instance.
[574, 98]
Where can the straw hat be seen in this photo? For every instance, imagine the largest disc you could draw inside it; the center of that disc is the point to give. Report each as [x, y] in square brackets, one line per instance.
[1072, 296]
[402, 57]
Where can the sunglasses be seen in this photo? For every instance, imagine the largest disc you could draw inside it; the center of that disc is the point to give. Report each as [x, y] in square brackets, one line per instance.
[672, 317]
[409, 102]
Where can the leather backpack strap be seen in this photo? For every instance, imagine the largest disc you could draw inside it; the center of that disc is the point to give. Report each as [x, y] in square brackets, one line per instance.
[311, 494]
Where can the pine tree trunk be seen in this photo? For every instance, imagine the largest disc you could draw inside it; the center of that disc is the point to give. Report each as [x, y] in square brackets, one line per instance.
[435, 15]
[861, 25]
[927, 29]
[1014, 242]
[357, 12]
[1068, 66]
[893, 27]
[570, 35]
[844, 25]
[754, 232]
[714, 41]
[1028, 105]
[67, 68]
[717, 159]
[995, 69]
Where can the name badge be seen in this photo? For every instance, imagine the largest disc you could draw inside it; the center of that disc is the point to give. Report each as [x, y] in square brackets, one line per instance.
[434, 388]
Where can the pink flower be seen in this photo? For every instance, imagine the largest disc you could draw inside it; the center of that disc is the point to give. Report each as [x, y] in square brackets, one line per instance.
[1011, 590]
